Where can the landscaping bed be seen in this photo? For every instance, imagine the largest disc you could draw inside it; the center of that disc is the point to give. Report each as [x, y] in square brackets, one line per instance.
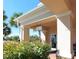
[22, 50]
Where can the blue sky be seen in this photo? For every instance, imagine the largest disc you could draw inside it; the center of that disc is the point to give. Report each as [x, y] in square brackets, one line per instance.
[12, 6]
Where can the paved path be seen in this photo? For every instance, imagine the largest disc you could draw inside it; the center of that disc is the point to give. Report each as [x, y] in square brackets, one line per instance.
[53, 56]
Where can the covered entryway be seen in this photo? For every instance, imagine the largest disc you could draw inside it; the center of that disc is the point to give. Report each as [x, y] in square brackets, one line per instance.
[53, 17]
[47, 27]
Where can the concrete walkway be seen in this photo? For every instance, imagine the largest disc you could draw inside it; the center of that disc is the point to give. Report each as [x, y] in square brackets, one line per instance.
[53, 56]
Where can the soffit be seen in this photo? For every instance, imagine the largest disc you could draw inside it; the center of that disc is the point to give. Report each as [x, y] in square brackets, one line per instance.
[56, 6]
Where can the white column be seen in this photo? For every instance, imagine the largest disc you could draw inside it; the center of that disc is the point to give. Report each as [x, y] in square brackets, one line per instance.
[24, 34]
[64, 36]
[43, 38]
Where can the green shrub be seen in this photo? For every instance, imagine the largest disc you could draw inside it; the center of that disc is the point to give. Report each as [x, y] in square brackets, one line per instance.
[12, 38]
[30, 50]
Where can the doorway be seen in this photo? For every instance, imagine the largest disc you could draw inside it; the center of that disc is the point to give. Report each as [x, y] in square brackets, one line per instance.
[53, 38]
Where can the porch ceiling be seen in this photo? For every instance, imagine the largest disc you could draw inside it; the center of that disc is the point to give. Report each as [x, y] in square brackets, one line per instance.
[56, 6]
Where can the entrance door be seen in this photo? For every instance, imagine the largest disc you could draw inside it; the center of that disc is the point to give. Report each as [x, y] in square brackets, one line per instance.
[53, 40]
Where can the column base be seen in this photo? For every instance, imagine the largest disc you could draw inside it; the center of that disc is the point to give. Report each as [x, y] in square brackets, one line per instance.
[64, 56]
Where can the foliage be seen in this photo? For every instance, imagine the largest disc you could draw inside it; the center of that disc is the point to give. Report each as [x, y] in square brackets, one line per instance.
[30, 50]
[34, 38]
[12, 22]
[13, 38]
[6, 28]
[4, 16]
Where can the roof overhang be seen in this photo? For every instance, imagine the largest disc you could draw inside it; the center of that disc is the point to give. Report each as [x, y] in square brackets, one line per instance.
[35, 14]
[38, 14]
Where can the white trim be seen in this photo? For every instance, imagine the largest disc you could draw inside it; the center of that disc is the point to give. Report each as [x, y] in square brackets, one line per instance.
[40, 4]
[36, 18]
[40, 20]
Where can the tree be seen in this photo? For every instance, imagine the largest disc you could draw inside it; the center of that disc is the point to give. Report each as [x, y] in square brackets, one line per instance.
[13, 38]
[12, 22]
[34, 38]
[4, 16]
[6, 28]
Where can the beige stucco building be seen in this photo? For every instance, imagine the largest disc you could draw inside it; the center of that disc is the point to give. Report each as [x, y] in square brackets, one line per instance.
[52, 16]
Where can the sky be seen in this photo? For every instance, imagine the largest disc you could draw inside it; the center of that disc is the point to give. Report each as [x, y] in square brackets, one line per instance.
[12, 6]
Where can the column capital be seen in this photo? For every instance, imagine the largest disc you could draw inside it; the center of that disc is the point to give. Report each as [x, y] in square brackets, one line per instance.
[67, 13]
